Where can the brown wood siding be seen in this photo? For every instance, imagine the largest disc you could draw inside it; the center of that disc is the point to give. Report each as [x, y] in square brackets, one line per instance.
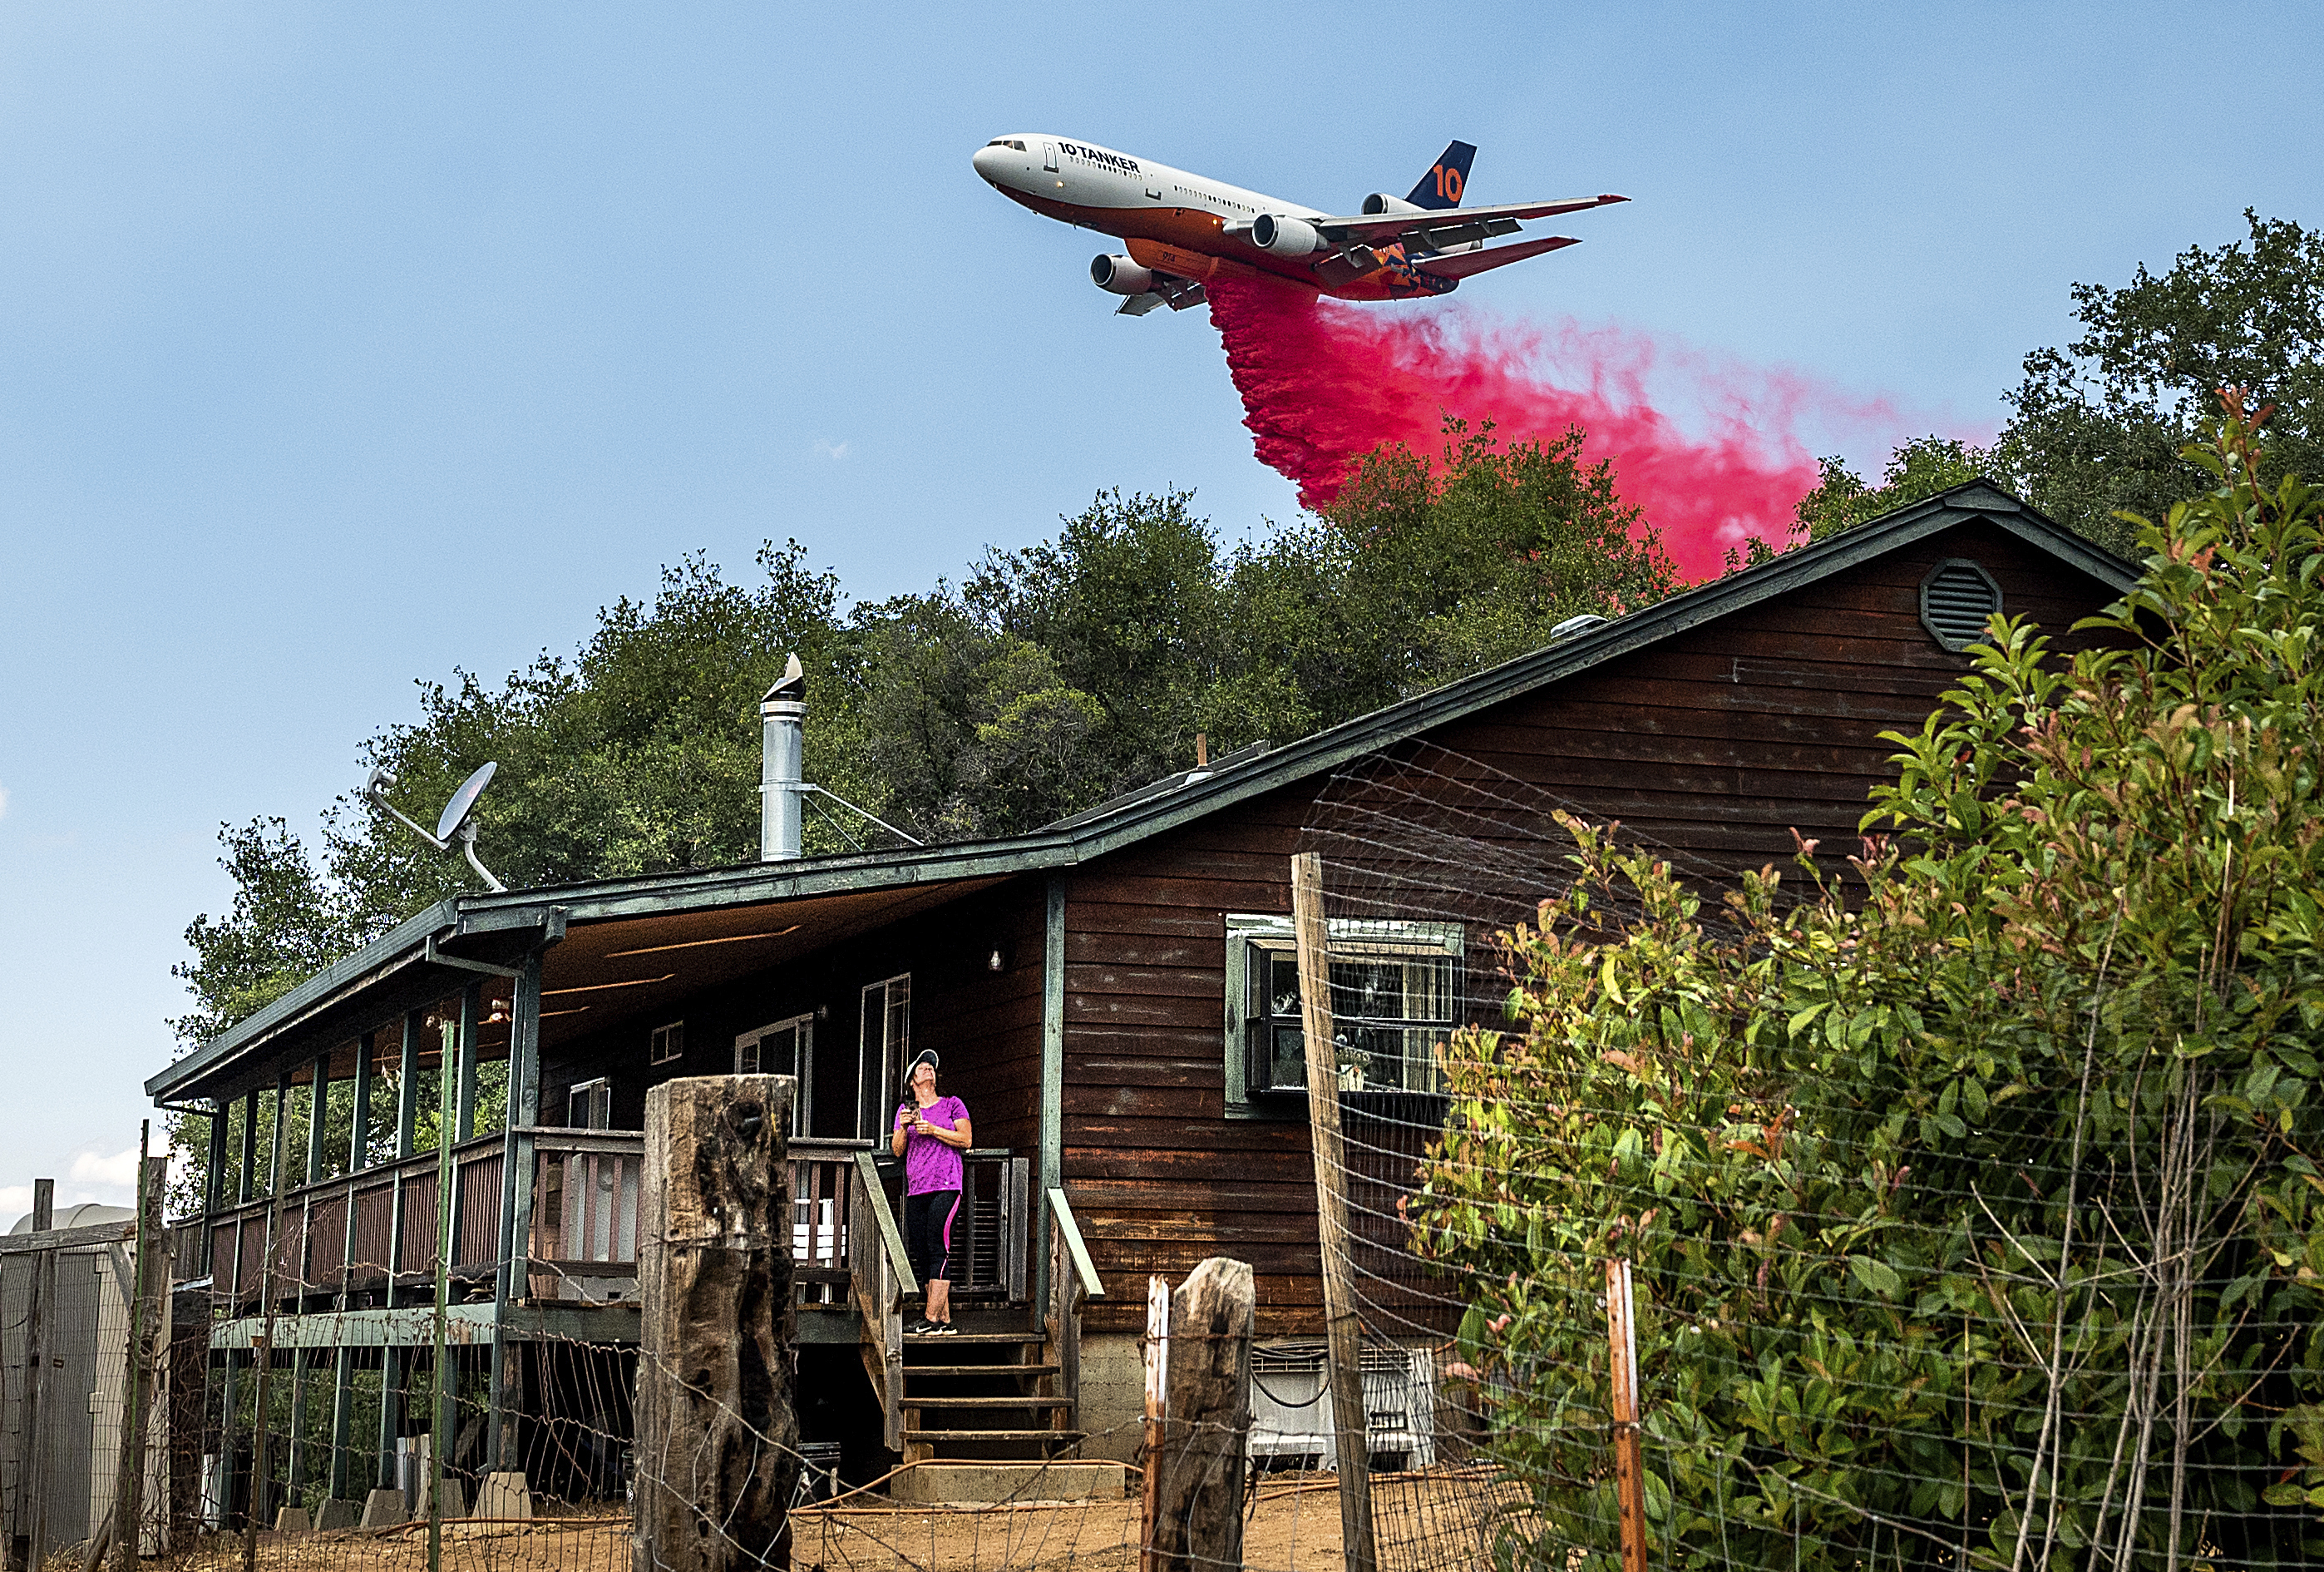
[1717, 743]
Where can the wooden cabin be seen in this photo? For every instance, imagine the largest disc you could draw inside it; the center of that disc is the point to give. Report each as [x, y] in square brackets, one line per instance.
[1090, 986]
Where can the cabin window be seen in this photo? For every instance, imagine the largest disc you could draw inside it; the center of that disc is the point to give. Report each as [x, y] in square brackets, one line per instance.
[883, 1043]
[589, 1105]
[667, 1045]
[1957, 599]
[1395, 987]
[785, 1049]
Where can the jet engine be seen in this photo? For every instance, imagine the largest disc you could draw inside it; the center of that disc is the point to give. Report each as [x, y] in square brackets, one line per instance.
[1119, 275]
[1284, 236]
[1380, 203]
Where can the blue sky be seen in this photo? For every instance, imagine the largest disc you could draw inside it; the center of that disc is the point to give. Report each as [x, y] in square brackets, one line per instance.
[344, 346]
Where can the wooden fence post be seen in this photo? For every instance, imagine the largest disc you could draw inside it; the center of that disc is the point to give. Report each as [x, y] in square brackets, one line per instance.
[152, 1281]
[1343, 1329]
[717, 1436]
[1197, 1519]
[1157, 1378]
[38, 1354]
[1629, 1480]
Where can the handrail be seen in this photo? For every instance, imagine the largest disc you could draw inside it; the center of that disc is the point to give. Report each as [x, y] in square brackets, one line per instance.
[1062, 1211]
[892, 1237]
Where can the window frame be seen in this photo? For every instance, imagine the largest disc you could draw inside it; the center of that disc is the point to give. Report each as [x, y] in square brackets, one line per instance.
[1254, 933]
[803, 1095]
[666, 1044]
[872, 1095]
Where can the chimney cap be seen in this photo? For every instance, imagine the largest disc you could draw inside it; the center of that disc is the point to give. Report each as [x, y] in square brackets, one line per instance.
[791, 688]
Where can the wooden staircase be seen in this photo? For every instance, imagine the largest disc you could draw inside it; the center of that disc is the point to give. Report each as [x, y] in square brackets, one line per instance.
[1004, 1387]
[983, 1395]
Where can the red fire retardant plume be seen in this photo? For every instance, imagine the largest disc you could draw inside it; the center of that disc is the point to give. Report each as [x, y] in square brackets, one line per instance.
[1324, 383]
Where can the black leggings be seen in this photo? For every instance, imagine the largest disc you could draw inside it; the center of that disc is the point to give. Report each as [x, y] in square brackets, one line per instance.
[928, 1232]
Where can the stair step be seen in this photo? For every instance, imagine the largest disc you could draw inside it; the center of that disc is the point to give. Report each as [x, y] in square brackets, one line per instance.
[949, 1370]
[918, 1339]
[1003, 1401]
[1053, 1438]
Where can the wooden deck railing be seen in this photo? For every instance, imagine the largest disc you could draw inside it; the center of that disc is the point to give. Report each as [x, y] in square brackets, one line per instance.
[354, 1233]
[359, 1233]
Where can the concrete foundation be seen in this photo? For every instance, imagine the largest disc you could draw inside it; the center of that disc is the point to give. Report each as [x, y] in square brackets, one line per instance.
[339, 1514]
[1113, 1395]
[965, 1484]
[504, 1495]
[383, 1508]
[292, 1520]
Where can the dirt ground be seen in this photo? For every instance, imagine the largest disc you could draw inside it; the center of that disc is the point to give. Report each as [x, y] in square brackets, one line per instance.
[1423, 1521]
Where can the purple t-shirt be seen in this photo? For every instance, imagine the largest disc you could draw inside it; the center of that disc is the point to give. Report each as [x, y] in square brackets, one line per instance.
[928, 1163]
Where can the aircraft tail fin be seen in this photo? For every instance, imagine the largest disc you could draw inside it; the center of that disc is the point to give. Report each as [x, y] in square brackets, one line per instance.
[1446, 179]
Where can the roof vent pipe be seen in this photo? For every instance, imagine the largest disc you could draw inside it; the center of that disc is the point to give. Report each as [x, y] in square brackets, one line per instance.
[782, 765]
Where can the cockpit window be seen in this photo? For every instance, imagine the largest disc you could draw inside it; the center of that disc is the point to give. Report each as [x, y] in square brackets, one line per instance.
[1005, 141]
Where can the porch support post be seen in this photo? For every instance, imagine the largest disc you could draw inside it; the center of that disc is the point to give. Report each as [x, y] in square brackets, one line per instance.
[249, 1175]
[407, 1089]
[391, 1365]
[230, 1392]
[464, 1083]
[507, 1394]
[318, 1113]
[341, 1422]
[359, 1131]
[212, 1186]
[1053, 1080]
[407, 1113]
[297, 1464]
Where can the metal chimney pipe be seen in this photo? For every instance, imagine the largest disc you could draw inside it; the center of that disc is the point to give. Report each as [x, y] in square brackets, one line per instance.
[782, 765]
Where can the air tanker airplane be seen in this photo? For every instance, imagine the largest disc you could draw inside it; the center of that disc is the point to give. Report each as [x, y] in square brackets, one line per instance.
[1184, 229]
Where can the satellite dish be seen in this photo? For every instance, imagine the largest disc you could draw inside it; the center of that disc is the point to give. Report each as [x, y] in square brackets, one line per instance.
[464, 801]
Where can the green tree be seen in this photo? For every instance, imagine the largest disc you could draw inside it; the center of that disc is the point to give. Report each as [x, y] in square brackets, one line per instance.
[2099, 426]
[1054, 677]
[1427, 570]
[1919, 468]
[1975, 1207]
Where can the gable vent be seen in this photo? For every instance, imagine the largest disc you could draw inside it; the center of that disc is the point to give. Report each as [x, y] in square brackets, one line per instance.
[1956, 598]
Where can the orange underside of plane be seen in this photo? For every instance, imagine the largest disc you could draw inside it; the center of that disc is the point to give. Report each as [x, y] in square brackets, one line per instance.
[1189, 243]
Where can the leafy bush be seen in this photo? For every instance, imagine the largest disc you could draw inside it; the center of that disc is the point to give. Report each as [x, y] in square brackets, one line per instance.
[1972, 1193]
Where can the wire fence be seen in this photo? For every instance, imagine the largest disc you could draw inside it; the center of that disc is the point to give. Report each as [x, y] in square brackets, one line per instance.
[1928, 1331]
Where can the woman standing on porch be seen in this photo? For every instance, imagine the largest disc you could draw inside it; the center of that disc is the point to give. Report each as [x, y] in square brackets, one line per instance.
[931, 1132]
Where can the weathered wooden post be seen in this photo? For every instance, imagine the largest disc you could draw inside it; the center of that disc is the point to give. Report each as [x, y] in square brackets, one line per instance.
[38, 1356]
[1629, 1479]
[1197, 1519]
[1156, 1354]
[152, 1281]
[1342, 1328]
[717, 1436]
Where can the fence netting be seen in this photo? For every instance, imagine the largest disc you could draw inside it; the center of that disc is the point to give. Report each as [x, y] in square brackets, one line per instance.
[1875, 1325]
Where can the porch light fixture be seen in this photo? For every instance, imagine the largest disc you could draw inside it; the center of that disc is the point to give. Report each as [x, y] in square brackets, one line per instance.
[653, 949]
[600, 987]
[997, 961]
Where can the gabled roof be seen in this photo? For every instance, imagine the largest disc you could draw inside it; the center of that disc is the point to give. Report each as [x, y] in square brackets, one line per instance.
[1163, 805]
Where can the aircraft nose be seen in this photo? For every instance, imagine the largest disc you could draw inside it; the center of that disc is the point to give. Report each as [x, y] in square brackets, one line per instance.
[990, 161]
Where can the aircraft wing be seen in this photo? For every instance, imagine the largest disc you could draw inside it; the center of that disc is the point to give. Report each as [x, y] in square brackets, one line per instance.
[1439, 229]
[1462, 263]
